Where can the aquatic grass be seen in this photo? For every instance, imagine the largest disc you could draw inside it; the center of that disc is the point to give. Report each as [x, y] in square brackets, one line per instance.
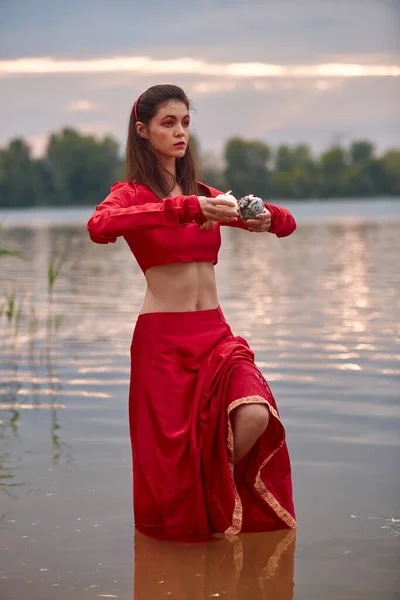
[56, 262]
[54, 267]
[60, 449]
[18, 317]
[13, 311]
[57, 322]
[3, 517]
[14, 420]
[33, 318]
[12, 389]
[5, 252]
[55, 438]
[12, 315]
[12, 308]
[33, 327]
[9, 297]
[6, 477]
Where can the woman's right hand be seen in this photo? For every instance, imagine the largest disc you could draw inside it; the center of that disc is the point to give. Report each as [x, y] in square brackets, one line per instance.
[218, 209]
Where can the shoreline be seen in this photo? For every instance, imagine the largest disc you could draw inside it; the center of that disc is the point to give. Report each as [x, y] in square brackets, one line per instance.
[338, 210]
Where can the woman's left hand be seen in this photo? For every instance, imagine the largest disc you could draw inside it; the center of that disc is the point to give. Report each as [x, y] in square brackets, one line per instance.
[261, 223]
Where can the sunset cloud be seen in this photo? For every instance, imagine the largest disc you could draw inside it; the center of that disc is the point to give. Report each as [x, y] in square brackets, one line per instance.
[81, 106]
[287, 71]
[144, 65]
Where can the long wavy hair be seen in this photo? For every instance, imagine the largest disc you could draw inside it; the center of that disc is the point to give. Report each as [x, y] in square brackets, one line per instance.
[141, 164]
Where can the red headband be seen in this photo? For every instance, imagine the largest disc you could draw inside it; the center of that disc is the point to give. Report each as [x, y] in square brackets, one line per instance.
[136, 105]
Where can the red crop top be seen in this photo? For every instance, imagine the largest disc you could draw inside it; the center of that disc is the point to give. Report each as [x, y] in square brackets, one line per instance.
[163, 232]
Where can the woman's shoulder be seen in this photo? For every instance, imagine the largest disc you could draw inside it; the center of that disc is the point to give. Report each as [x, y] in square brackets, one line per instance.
[137, 192]
[140, 194]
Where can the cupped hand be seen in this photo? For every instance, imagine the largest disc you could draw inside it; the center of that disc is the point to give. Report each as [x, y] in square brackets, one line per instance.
[218, 209]
[262, 222]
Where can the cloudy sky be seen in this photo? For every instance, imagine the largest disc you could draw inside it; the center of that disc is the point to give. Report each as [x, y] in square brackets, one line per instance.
[317, 71]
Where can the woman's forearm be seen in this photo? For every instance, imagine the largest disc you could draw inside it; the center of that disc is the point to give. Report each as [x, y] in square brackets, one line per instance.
[116, 216]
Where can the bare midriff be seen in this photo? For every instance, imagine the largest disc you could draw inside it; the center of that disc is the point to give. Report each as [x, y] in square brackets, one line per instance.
[183, 287]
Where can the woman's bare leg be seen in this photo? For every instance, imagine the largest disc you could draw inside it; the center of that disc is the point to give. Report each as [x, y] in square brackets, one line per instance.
[249, 421]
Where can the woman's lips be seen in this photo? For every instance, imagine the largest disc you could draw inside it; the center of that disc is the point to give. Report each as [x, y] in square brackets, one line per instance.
[180, 144]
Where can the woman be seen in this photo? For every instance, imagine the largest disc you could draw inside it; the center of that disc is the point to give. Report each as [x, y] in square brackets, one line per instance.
[208, 448]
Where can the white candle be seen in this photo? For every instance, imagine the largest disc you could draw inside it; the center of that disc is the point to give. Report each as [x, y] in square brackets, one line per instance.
[228, 196]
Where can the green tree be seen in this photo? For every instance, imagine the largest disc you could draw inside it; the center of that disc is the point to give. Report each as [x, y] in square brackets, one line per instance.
[364, 175]
[213, 176]
[390, 165]
[361, 153]
[284, 159]
[207, 164]
[281, 184]
[20, 181]
[302, 156]
[79, 169]
[194, 146]
[247, 167]
[82, 166]
[332, 166]
[295, 174]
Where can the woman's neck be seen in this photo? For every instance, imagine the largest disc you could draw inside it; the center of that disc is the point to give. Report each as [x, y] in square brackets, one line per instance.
[169, 165]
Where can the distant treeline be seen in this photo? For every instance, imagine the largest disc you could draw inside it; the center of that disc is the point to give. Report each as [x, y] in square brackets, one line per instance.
[79, 169]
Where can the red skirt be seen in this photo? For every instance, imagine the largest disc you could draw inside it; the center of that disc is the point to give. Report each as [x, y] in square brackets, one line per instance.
[188, 373]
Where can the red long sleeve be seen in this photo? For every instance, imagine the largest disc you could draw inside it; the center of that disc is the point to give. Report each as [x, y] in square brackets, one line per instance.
[117, 215]
[282, 225]
[282, 221]
[239, 224]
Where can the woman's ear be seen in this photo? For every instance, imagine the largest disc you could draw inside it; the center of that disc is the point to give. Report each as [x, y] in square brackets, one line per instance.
[141, 130]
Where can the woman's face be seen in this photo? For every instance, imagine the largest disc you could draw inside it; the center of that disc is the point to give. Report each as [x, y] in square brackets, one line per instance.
[168, 132]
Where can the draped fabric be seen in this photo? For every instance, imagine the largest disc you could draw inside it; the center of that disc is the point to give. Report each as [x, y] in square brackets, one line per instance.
[188, 374]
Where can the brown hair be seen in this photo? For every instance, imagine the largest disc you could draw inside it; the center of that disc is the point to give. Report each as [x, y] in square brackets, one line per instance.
[141, 163]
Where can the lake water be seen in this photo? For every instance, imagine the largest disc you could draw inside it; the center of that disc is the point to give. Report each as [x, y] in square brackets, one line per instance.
[324, 323]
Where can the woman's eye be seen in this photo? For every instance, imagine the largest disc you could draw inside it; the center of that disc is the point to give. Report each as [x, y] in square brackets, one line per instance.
[186, 123]
[168, 123]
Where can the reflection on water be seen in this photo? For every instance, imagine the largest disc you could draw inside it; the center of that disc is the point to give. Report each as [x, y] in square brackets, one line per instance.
[320, 309]
[255, 566]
